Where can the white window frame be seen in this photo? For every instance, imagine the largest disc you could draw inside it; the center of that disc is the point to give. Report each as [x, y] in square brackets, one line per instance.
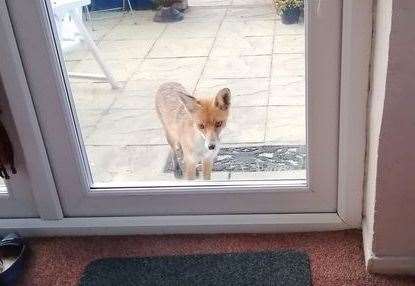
[32, 192]
[356, 35]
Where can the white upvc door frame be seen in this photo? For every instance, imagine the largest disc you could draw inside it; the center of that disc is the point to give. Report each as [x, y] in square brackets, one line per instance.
[33, 187]
[354, 92]
[357, 16]
[46, 75]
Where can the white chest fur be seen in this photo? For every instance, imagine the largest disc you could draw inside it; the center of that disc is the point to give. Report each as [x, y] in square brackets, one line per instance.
[201, 151]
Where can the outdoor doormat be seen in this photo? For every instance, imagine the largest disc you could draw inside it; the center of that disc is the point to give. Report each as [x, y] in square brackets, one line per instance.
[266, 158]
[262, 268]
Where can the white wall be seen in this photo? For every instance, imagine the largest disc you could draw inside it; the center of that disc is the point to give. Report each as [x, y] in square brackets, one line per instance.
[389, 208]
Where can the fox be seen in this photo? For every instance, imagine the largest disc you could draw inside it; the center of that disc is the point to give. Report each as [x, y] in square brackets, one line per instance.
[192, 126]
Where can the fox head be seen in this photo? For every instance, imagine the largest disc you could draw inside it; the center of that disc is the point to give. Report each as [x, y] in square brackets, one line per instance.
[209, 115]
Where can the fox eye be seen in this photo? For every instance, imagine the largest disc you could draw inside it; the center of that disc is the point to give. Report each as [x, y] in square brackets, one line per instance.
[201, 126]
[218, 124]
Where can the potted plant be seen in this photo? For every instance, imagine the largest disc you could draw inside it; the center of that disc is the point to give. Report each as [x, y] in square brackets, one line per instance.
[289, 10]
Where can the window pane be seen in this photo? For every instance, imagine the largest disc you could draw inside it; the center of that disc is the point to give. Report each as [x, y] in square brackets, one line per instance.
[242, 45]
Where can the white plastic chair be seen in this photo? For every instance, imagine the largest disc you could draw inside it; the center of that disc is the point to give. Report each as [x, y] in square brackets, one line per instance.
[72, 32]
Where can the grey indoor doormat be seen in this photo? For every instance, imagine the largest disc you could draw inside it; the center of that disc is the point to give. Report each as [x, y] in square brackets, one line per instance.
[265, 158]
[260, 268]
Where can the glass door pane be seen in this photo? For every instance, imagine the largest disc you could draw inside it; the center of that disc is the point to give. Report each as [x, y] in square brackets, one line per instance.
[117, 60]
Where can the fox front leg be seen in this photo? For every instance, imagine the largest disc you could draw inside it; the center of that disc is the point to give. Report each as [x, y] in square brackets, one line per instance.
[207, 169]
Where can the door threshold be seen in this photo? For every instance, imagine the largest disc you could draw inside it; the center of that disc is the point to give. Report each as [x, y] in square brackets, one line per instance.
[178, 224]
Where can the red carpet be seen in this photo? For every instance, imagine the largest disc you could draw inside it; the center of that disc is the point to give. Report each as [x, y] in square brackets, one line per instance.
[336, 257]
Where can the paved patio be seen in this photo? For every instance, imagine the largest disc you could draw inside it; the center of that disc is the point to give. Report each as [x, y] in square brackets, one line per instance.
[239, 44]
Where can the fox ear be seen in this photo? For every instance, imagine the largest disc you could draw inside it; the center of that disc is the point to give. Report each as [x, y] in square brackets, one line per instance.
[190, 102]
[223, 99]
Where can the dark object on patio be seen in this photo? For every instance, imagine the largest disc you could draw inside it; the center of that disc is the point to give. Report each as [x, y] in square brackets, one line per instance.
[266, 158]
[167, 15]
[170, 10]
[12, 249]
[290, 10]
[261, 268]
[181, 5]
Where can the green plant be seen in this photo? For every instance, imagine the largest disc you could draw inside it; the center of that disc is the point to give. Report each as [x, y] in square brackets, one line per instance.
[283, 5]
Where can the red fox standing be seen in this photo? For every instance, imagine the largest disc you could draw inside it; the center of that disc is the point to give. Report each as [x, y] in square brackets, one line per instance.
[192, 126]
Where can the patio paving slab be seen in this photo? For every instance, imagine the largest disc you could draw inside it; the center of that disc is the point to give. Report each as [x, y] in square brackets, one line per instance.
[102, 23]
[288, 65]
[209, 3]
[121, 127]
[286, 125]
[289, 44]
[238, 67]
[251, 2]
[137, 95]
[128, 163]
[186, 47]
[245, 125]
[287, 90]
[137, 17]
[184, 70]
[204, 14]
[246, 46]
[122, 70]
[70, 65]
[246, 28]
[93, 95]
[292, 29]
[149, 30]
[149, 87]
[124, 50]
[245, 92]
[191, 30]
[76, 55]
[251, 13]
[88, 120]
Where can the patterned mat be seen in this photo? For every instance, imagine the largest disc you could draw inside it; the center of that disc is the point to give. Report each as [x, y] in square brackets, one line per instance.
[266, 158]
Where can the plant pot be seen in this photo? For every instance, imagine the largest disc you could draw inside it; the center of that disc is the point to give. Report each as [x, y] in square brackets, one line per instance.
[291, 15]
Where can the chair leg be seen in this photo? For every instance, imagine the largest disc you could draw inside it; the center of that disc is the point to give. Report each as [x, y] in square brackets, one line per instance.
[95, 52]
[129, 5]
[130, 10]
[88, 17]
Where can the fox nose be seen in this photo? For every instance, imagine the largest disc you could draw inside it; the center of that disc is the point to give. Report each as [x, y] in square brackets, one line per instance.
[211, 146]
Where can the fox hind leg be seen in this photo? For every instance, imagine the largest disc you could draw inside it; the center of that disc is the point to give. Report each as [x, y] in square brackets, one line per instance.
[175, 150]
[178, 173]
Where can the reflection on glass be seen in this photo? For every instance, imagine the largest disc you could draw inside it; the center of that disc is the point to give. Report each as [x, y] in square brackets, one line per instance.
[117, 60]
